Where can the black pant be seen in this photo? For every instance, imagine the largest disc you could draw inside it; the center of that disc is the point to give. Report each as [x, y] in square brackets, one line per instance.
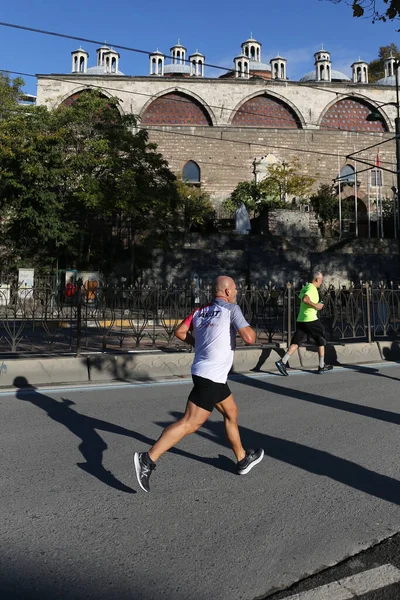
[313, 329]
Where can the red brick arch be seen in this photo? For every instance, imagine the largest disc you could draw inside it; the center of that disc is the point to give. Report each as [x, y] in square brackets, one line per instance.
[350, 114]
[265, 111]
[73, 97]
[176, 108]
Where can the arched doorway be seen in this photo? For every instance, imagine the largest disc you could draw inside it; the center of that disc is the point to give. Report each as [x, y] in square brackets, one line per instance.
[349, 216]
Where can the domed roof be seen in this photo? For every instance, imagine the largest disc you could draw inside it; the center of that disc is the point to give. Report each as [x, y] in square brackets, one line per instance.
[259, 66]
[182, 69]
[391, 80]
[335, 76]
[101, 70]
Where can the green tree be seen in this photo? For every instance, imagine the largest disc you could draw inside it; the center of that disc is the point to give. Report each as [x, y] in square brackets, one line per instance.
[325, 203]
[246, 192]
[377, 10]
[376, 68]
[10, 93]
[195, 205]
[282, 182]
[67, 176]
[285, 181]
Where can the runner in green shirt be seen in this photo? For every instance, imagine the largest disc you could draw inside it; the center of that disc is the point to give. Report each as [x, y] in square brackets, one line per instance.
[308, 324]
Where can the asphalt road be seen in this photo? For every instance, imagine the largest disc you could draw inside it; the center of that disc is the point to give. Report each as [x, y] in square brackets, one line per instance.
[74, 523]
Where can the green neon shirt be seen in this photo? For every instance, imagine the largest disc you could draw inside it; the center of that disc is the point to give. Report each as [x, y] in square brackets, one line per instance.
[308, 313]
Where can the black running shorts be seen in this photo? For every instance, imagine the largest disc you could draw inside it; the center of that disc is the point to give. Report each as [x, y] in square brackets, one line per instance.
[312, 329]
[206, 393]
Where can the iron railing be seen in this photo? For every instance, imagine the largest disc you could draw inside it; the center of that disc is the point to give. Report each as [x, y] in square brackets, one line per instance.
[42, 319]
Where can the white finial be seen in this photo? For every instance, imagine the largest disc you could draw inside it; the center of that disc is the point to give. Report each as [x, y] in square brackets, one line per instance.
[179, 42]
[322, 46]
[251, 34]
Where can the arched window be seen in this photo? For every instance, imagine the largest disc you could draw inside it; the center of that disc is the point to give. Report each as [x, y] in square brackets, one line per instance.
[347, 175]
[191, 173]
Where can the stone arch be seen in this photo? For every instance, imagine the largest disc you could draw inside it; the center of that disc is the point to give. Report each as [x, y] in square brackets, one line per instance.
[349, 113]
[177, 107]
[69, 98]
[266, 110]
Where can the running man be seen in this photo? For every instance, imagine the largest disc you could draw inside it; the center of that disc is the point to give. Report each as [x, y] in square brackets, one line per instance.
[211, 329]
[308, 324]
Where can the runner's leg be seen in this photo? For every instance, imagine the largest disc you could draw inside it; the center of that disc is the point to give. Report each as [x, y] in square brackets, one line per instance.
[229, 410]
[193, 418]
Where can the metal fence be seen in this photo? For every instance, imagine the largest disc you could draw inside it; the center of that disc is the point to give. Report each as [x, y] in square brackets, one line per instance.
[43, 319]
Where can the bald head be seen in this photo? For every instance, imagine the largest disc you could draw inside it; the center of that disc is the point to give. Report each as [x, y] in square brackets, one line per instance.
[225, 288]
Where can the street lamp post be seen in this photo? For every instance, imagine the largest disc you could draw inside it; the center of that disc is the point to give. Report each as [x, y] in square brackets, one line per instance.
[397, 130]
[375, 116]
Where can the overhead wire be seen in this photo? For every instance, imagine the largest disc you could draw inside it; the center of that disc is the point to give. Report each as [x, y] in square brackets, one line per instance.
[109, 88]
[146, 52]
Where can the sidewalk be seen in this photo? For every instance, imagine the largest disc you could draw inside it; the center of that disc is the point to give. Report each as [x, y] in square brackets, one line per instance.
[153, 365]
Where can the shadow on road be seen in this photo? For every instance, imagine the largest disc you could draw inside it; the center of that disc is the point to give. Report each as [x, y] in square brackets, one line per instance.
[309, 459]
[92, 445]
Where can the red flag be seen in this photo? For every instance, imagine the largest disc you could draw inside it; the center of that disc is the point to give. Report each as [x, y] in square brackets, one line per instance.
[377, 160]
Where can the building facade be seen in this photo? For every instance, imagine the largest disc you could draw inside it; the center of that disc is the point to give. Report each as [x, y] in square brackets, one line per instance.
[229, 126]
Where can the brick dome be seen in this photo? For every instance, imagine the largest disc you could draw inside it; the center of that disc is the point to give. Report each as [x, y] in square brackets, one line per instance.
[350, 115]
[175, 108]
[263, 111]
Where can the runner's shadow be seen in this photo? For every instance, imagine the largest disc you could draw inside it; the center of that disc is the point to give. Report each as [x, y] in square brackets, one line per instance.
[92, 445]
[309, 459]
[359, 409]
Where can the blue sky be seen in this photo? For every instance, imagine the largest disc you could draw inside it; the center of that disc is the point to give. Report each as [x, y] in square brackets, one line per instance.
[294, 28]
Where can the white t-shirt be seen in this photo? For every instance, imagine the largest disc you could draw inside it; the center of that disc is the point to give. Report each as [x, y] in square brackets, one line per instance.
[214, 328]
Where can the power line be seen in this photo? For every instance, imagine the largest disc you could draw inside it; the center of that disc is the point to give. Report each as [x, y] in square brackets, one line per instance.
[109, 88]
[90, 41]
[153, 128]
[146, 52]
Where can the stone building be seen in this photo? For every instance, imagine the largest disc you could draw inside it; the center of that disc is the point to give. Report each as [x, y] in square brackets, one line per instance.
[220, 130]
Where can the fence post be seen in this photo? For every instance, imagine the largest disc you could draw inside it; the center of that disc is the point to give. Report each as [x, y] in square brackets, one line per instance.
[368, 294]
[79, 299]
[289, 315]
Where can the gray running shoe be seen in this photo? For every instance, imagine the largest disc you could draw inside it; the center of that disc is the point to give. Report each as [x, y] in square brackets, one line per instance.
[324, 369]
[143, 470]
[252, 458]
[281, 368]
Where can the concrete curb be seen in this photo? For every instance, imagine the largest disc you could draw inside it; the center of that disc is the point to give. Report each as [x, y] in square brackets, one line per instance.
[348, 354]
[43, 371]
[161, 364]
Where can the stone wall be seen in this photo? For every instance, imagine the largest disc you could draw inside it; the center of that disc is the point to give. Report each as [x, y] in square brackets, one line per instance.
[293, 223]
[262, 259]
[225, 155]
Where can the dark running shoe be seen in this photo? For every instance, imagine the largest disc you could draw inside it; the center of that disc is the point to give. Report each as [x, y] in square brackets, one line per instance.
[252, 458]
[281, 368]
[143, 470]
[324, 369]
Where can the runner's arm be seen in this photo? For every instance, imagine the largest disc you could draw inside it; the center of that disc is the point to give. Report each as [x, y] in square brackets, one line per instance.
[248, 335]
[182, 333]
[306, 300]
